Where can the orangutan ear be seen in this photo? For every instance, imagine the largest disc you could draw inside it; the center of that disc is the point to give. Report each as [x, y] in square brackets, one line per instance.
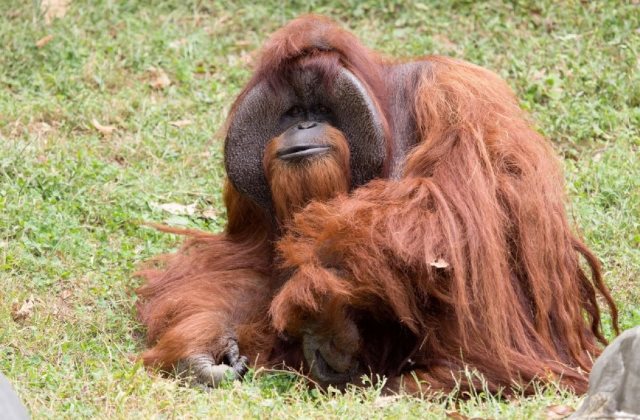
[258, 118]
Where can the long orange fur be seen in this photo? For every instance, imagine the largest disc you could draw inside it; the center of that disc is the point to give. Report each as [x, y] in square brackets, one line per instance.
[466, 261]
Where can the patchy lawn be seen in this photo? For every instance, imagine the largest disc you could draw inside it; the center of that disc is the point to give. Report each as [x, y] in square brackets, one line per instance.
[110, 114]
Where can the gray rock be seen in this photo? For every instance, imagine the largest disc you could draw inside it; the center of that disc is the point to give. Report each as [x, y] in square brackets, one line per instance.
[10, 405]
[614, 384]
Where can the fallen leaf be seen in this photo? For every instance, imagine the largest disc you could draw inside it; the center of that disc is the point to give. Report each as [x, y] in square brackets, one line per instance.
[61, 309]
[120, 160]
[210, 214]
[40, 129]
[180, 123]
[158, 78]
[66, 294]
[105, 130]
[44, 41]
[558, 411]
[177, 209]
[21, 312]
[53, 9]
[439, 263]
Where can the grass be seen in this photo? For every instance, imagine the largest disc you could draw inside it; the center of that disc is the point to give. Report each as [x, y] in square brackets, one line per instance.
[71, 198]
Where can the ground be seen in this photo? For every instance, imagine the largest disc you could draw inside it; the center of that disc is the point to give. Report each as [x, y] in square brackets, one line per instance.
[110, 115]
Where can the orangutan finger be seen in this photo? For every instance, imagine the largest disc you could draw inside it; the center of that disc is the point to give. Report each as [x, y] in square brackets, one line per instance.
[203, 370]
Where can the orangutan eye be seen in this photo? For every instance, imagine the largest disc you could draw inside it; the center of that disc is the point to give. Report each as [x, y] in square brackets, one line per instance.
[295, 111]
[323, 110]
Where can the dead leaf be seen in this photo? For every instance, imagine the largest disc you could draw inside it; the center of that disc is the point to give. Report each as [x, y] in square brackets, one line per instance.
[19, 312]
[158, 79]
[180, 123]
[177, 209]
[66, 294]
[210, 213]
[59, 306]
[40, 129]
[53, 9]
[120, 160]
[61, 310]
[44, 41]
[105, 130]
[558, 411]
[439, 263]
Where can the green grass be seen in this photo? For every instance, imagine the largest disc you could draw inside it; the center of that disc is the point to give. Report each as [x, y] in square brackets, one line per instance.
[71, 199]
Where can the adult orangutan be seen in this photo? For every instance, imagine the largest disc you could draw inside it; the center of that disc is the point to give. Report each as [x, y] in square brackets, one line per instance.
[394, 218]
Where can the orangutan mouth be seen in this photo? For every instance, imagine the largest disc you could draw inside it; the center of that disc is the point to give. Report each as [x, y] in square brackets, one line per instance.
[301, 151]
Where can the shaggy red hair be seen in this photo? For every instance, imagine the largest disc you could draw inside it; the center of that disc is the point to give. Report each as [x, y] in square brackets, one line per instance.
[466, 260]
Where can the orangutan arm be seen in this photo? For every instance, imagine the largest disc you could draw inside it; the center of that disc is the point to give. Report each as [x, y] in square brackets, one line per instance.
[205, 306]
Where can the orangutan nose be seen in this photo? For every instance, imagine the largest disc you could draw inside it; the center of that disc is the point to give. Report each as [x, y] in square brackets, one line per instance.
[328, 363]
[307, 125]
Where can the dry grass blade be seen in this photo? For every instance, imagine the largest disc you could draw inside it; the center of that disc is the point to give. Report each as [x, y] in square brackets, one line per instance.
[105, 130]
[180, 123]
[44, 41]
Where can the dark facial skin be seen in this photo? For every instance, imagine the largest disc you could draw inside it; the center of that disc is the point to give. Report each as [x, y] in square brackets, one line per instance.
[303, 140]
[332, 358]
[263, 113]
[301, 113]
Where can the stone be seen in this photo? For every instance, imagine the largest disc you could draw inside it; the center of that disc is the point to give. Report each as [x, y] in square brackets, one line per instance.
[10, 405]
[614, 383]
